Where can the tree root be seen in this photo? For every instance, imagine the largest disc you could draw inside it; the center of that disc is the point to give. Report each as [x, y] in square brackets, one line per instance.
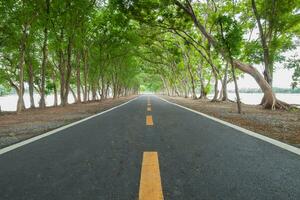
[277, 105]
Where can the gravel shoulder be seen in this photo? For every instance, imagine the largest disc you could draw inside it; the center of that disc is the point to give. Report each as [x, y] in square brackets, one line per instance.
[17, 127]
[280, 125]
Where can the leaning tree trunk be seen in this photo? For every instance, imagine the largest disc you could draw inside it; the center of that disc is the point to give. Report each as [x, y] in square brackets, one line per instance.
[270, 101]
[165, 85]
[73, 94]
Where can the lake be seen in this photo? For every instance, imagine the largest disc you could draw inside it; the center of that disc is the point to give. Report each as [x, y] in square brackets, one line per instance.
[9, 102]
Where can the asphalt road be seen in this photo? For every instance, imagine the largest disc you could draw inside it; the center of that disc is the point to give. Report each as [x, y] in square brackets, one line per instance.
[101, 158]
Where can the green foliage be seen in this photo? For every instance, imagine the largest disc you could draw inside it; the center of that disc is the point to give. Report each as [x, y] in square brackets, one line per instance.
[230, 34]
[150, 83]
[4, 90]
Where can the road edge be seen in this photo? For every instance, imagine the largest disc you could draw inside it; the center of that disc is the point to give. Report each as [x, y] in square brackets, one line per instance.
[35, 138]
[277, 143]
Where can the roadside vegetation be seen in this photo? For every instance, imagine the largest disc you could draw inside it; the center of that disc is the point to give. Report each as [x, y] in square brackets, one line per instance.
[93, 48]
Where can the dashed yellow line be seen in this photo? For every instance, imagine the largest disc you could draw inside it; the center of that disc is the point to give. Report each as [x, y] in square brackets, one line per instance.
[148, 109]
[150, 182]
[149, 120]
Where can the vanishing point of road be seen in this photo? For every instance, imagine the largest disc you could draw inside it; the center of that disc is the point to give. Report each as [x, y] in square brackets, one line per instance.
[148, 149]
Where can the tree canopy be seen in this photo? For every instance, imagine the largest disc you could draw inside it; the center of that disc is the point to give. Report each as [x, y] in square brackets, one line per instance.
[96, 48]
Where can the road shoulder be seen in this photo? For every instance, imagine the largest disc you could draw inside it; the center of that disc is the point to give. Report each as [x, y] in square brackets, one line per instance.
[15, 128]
[205, 109]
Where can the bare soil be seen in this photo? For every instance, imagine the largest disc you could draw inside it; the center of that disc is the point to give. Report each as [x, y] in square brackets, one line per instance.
[17, 127]
[280, 125]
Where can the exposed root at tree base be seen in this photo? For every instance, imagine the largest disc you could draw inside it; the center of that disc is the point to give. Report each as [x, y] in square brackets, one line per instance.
[277, 105]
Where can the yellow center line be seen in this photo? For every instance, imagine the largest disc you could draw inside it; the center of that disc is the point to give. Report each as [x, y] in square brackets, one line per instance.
[149, 120]
[150, 182]
[149, 109]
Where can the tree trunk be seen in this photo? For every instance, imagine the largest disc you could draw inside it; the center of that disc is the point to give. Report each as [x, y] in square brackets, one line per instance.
[78, 78]
[55, 93]
[88, 93]
[215, 86]
[202, 84]
[61, 67]
[20, 104]
[99, 89]
[94, 92]
[165, 85]
[224, 85]
[102, 88]
[85, 73]
[73, 94]
[194, 96]
[30, 85]
[68, 73]
[107, 90]
[238, 100]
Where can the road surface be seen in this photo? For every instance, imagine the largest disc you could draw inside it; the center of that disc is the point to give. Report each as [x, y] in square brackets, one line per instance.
[149, 145]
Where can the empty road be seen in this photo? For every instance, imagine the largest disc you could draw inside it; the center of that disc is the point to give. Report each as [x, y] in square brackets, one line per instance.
[149, 149]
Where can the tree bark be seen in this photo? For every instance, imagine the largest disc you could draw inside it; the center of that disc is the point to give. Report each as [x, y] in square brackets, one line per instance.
[202, 84]
[215, 86]
[68, 73]
[30, 84]
[107, 90]
[165, 85]
[94, 92]
[85, 74]
[73, 94]
[61, 67]
[55, 91]
[78, 78]
[20, 104]
[224, 85]
[102, 88]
